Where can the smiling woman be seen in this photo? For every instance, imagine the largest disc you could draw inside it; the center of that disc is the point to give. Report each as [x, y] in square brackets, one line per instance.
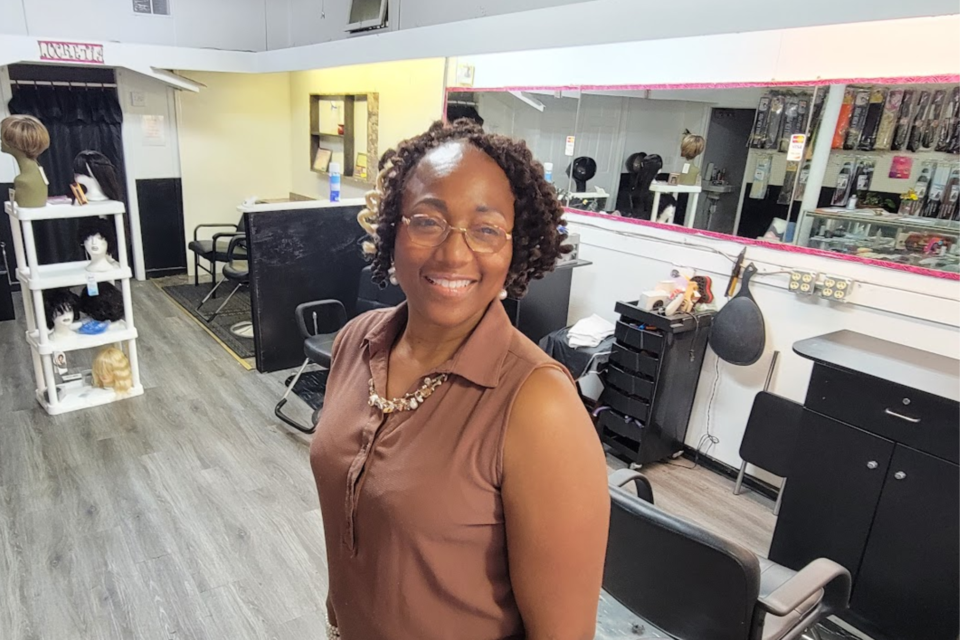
[437, 452]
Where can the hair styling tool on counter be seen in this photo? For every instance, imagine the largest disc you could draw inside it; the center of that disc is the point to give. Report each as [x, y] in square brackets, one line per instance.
[739, 334]
[735, 274]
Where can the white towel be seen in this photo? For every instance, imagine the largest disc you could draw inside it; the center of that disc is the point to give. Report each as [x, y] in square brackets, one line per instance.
[589, 332]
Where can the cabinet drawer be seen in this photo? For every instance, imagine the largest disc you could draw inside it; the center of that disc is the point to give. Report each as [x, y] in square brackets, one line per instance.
[630, 360]
[632, 384]
[918, 419]
[640, 339]
[627, 405]
[619, 425]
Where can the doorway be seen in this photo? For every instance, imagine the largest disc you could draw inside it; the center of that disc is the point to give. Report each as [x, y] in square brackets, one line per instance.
[727, 137]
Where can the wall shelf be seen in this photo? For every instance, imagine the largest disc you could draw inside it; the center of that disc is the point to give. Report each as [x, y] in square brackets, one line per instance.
[359, 117]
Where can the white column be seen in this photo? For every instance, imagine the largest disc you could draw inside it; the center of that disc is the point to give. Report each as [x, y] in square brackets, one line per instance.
[818, 162]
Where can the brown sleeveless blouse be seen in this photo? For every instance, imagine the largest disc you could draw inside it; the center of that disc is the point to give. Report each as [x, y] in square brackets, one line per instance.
[412, 511]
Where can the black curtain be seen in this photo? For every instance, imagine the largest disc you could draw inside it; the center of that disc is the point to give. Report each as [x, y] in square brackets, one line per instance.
[78, 118]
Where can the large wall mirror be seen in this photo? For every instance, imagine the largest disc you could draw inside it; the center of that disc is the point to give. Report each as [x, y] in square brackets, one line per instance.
[868, 171]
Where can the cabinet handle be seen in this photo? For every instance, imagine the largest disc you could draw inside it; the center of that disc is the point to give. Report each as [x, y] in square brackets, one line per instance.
[901, 416]
[872, 464]
[899, 475]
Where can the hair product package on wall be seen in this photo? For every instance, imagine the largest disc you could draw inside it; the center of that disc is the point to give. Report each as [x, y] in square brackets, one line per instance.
[802, 179]
[904, 118]
[789, 182]
[858, 118]
[865, 169]
[843, 121]
[949, 123]
[844, 183]
[761, 177]
[871, 127]
[919, 121]
[932, 125]
[951, 197]
[888, 120]
[759, 137]
[777, 106]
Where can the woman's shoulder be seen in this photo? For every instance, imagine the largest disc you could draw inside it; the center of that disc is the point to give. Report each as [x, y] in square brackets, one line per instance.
[357, 329]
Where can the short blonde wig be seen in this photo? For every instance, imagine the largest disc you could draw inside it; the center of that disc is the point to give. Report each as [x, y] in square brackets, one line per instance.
[692, 146]
[26, 134]
[111, 370]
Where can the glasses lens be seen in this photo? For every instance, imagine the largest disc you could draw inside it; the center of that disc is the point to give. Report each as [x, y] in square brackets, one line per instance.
[486, 238]
[427, 230]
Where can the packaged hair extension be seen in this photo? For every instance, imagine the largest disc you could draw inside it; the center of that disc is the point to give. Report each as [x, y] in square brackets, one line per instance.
[761, 177]
[871, 127]
[902, 133]
[802, 179]
[789, 182]
[865, 169]
[861, 103]
[919, 121]
[949, 122]
[951, 196]
[843, 121]
[759, 136]
[777, 104]
[888, 120]
[931, 208]
[844, 182]
[791, 122]
[932, 125]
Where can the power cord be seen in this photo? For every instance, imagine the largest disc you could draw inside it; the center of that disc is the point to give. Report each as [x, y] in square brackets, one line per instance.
[707, 440]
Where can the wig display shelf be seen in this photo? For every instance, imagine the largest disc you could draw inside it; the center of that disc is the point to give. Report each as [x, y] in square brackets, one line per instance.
[67, 274]
[74, 396]
[117, 332]
[62, 211]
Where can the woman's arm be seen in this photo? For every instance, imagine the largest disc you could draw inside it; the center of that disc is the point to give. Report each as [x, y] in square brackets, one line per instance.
[556, 507]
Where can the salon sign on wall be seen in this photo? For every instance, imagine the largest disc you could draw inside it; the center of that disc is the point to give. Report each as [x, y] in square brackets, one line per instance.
[53, 51]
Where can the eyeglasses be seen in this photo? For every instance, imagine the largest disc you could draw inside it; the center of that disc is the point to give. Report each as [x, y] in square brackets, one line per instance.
[429, 231]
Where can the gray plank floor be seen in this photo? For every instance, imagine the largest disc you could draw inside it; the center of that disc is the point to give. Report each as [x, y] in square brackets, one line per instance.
[190, 512]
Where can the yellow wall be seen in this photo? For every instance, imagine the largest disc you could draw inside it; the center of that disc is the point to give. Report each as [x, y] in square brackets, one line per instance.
[234, 143]
[411, 97]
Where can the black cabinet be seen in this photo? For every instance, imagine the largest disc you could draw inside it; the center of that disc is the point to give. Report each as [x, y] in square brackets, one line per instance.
[875, 485]
[839, 471]
[913, 544]
[545, 307]
[650, 382]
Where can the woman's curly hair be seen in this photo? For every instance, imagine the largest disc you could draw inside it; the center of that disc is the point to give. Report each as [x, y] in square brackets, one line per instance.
[537, 230]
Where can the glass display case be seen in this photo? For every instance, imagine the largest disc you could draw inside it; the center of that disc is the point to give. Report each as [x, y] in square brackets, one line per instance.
[867, 233]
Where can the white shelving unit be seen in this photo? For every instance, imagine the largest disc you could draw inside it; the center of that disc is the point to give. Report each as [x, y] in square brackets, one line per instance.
[62, 397]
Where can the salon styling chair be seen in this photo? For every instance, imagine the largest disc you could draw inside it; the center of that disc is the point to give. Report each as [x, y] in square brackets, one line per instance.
[695, 585]
[635, 200]
[215, 249]
[236, 270]
[319, 323]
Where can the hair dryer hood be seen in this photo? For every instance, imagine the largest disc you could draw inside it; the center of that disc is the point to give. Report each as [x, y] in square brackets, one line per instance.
[581, 170]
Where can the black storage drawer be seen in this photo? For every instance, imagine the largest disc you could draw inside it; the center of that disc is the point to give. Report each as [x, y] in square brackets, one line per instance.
[918, 419]
[627, 405]
[639, 339]
[632, 384]
[620, 425]
[631, 360]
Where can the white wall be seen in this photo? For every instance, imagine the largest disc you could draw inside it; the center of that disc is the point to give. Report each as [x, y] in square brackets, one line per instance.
[918, 311]
[234, 144]
[239, 24]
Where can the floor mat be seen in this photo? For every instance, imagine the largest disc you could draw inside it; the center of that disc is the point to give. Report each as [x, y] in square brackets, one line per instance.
[237, 310]
[310, 386]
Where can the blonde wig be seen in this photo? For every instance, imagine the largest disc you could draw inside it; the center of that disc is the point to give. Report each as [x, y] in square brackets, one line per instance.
[692, 146]
[111, 370]
[26, 134]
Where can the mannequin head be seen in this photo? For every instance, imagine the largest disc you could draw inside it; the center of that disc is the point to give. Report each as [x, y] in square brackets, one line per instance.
[98, 237]
[62, 309]
[98, 176]
[691, 146]
[24, 136]
[111, 370]
[107, 306]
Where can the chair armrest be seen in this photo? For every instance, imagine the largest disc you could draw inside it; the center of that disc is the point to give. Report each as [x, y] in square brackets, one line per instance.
[237, 240]
[217, 236]
[212, 225]
[621, 477]
[822, 573]
[323, 309]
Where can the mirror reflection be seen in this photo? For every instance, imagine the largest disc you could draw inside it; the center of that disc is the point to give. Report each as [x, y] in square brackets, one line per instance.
[743, 161]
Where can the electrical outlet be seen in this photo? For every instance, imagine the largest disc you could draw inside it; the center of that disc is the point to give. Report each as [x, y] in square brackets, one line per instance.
[836, 288]
[803, 282]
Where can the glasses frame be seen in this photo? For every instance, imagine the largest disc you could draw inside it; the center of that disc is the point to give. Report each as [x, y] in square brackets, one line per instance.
[449, 227]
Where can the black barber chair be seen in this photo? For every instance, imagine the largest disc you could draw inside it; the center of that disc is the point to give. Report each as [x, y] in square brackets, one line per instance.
[214, 250]
[319, 323]
[695, 585]
[236, 269]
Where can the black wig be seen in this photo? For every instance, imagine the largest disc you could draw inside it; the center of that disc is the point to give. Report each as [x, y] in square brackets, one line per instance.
[98, 166]
[106, 306]
[57, 301]
[104, 227]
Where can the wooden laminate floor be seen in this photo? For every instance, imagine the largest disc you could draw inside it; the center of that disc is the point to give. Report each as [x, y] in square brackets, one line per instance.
[190, 512]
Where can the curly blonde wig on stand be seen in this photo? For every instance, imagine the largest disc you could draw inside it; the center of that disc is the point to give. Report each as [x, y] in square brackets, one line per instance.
[111, 370]
[537, 233]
